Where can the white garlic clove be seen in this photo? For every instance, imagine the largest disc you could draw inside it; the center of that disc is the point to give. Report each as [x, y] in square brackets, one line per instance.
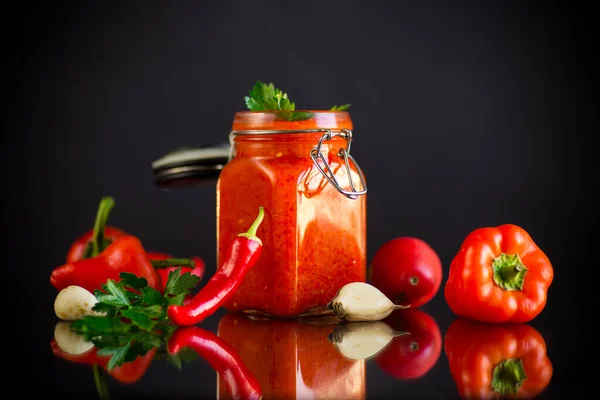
[69, 341]
[74, 302]
[363, 340]
[360, 301]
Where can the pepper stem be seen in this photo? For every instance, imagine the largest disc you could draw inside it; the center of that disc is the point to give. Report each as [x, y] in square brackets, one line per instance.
[509, 271]
[251, 234]
[508, 376]
[104, 209]
[100, 381]
[173, 262]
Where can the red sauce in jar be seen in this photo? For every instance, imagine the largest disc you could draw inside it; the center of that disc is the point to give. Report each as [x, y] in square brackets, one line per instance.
[314, 237]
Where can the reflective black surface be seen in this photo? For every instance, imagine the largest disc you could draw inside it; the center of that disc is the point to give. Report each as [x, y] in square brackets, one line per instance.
[466, 114]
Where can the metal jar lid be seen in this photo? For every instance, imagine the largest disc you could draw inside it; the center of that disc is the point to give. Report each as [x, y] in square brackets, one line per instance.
[185, 166]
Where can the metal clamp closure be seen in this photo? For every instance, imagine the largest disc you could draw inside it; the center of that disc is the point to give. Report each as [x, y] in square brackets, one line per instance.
[316, 156]
[344, 153]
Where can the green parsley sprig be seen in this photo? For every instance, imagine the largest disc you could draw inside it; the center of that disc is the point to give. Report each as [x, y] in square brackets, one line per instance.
[135, 319]
[266, 97]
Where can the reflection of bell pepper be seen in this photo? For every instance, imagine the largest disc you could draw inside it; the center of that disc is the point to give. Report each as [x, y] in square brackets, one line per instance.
[489, 361]
[240, 381]
[125, 254]
[82, 246]
[163, 273]
[292, 360]
[128, 372]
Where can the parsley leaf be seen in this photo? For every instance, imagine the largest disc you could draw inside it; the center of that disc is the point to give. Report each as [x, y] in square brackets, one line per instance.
[179, 284]
[136, 317]
[343, 107]
[266, 97]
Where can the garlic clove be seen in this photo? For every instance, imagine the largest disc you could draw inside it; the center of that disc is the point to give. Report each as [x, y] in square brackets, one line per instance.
[360, 301]
[75, 302]
[69, 341]
[363, 340]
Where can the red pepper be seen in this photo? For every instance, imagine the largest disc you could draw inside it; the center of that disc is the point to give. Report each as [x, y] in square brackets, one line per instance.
[240, 381]
[163, 273]
[125, 254]
[498, 275]
[82, 246]
[128, 372]
[241, 257]
[497, 360]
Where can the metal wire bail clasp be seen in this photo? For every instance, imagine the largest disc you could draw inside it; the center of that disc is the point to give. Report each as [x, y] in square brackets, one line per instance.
[327, 172]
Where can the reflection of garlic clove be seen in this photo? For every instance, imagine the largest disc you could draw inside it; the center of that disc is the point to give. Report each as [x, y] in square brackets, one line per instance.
[74, 302]
[363, 340]
[359, 301]
[69, 341]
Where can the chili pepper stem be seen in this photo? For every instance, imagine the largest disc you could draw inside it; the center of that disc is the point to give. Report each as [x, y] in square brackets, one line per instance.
[106, 205]
[173, 262]
[251, 234]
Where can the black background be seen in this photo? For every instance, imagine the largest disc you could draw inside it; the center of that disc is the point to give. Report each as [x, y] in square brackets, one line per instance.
[465, 115]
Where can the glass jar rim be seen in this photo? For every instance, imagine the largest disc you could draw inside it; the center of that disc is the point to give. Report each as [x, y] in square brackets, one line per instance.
[291, 120]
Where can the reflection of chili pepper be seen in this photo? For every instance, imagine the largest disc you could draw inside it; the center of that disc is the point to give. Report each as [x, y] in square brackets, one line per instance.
[163, 273]
[240, 382]
[128, 372]
[125, 254]
[489, 361]
[82, 246]
[242, 256]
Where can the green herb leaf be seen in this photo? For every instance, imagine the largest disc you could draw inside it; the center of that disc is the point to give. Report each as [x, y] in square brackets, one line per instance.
[118, 355]
[176, 300]
[116, 295]
[178, 283]
[265, 97]
[94, 325]
[152, 297]
[139, 318]
[343, 107]
[131, 280]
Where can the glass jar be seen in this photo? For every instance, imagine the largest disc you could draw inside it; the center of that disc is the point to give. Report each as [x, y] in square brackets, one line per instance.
[314, 197]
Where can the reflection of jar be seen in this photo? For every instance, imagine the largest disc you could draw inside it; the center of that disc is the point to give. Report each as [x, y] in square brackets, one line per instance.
[292, 360]
[313, 193]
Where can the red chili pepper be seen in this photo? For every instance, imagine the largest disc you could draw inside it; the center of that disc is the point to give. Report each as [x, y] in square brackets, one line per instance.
[240, 381]
[163, 273]
[125, 254]
[82, 246]
[241, 257]
[128, 372]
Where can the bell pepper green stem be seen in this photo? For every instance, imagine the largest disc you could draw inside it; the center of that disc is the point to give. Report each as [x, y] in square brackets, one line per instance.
[251, 233]
[100, 381]
[106, 205]
[173, 262]
[509, 271]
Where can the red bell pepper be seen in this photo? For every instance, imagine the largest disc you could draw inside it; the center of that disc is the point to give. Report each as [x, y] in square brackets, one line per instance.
[128, 372]
[125, 254]
[496, 361]
[163, 273]
[81, 247]
[499, 275]
[243, 255]
[240, 382]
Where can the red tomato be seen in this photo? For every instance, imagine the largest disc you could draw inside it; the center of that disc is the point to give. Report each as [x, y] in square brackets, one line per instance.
[407, 270]
[411, 356]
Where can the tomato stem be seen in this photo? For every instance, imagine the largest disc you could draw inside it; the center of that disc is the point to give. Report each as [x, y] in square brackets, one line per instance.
[509, 271]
